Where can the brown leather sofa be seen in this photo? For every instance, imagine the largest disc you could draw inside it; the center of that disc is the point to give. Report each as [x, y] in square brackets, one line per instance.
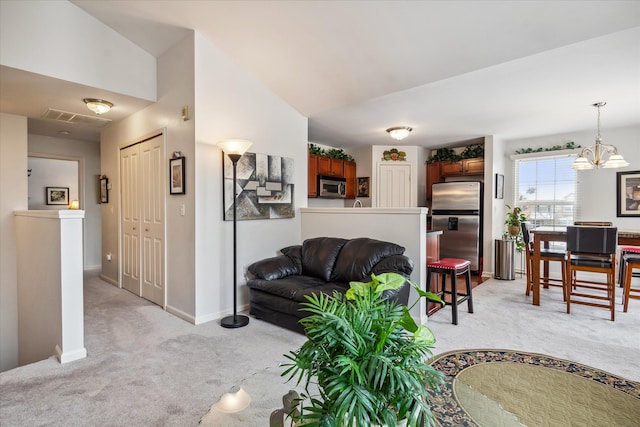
[278, 285]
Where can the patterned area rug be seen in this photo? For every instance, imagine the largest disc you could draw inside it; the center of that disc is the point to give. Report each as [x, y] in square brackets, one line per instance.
[512, 388]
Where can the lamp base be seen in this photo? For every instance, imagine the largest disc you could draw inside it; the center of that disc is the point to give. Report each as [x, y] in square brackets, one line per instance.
[234, 321]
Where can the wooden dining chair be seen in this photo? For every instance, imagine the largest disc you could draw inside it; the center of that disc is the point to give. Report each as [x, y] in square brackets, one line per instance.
[630, 261]
[546, 255]
[591, 250]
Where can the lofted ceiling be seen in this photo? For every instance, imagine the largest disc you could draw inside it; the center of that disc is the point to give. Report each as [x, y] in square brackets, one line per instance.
[452, 70]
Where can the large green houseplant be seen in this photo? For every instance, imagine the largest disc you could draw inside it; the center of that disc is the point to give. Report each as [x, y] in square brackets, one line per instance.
[367, 358]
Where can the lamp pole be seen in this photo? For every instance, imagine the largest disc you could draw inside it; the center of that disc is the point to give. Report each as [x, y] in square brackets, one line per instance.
[234, 148]
[235, 321]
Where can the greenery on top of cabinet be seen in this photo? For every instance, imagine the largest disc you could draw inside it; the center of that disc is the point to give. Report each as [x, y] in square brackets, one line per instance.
[444, 155]
[473, 151]
[334, 153]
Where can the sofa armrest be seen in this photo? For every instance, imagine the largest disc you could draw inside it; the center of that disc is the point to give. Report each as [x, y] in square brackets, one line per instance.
[400, 264]
[274, 268]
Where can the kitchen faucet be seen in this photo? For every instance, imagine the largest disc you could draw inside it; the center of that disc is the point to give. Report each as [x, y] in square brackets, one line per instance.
[357, 203]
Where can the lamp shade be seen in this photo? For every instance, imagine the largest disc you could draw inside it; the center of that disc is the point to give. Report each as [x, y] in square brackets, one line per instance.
[234, 146]
[399, 132]
[615, 161]
[98, 106]
[581, 163]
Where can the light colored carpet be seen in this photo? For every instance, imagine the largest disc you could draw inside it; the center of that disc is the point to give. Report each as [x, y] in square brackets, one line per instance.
[146, 367]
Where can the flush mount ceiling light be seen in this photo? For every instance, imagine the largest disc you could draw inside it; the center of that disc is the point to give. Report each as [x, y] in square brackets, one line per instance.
[599, 155]
[98, 106]
[399, 132]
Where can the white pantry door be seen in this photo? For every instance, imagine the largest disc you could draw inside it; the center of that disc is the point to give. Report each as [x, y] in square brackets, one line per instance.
[143, 229]
[394, 186]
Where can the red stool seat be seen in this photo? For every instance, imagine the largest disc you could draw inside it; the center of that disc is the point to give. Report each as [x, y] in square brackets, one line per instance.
[452, 267]
[449, 264]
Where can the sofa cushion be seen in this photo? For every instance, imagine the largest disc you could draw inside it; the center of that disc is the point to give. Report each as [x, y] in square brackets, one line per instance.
[319, 255]
[295, 287]
[358, 257]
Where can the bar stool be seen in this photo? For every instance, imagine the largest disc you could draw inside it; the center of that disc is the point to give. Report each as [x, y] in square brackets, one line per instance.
[630, 260]
[452, 267]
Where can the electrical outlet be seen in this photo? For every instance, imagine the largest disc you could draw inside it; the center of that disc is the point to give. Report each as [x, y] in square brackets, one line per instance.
[109, 257]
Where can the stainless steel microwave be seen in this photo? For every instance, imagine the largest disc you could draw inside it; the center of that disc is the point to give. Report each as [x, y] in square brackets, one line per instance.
[332, 187]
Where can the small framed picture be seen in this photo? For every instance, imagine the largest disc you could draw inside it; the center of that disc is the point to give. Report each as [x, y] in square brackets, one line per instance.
[57, 195]
[499, 186]
[363, 187]
[628, 193]
[104, 190]
[176, 176]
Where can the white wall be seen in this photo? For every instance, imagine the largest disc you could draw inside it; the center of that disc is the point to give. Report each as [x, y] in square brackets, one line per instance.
[88, 153]
[596, 187]
[13, 196]
[175, 90]
[494, 210]
[232, 104]
[58, 39]
[46, 173]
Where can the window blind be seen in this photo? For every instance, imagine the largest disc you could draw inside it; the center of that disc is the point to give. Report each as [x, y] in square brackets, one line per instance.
[546, 189]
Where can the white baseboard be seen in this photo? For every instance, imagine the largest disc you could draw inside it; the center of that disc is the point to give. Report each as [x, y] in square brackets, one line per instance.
[219, 315]
[181, 314]
[109, 280]
[70, 356]
[93, 269]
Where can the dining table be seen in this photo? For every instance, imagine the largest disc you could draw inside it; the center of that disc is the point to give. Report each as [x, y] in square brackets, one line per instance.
[543, 236]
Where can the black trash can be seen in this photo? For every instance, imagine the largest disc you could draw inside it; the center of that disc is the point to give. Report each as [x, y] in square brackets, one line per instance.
[504, 257]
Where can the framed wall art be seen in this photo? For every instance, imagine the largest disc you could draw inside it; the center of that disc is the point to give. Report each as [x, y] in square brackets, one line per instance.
[363, 187]
[263, 190]
[628, 193]
[57, 195]
[176, 176]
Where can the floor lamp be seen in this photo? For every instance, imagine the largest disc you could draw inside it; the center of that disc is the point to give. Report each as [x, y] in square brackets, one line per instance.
[234, 148]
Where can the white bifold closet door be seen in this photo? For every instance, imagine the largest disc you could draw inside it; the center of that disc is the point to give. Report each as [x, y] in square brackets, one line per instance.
[143, 221]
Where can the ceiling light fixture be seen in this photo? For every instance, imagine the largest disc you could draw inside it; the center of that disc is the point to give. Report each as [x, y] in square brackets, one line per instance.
[599, 155]
[399, 132]
[98, 106]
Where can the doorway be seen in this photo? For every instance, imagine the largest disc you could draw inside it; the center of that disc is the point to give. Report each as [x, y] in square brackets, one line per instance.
[143, 219]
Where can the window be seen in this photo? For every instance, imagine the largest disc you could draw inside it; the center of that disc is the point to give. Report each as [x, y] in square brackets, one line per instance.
[546, 189]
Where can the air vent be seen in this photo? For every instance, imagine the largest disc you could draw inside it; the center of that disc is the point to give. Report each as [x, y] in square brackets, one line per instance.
[75, 118]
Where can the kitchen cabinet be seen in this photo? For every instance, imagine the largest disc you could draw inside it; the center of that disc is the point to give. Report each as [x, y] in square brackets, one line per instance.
[462, 167]
[350, 177]
[433, 175]
[473, 166]
[312, 170]
[327, 166]
[330, 167]
[436, 171]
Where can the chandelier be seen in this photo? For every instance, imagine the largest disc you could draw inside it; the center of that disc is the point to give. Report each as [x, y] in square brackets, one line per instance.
[599, 155]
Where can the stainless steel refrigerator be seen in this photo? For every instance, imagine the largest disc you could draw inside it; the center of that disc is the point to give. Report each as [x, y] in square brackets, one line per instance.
[456, 209]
